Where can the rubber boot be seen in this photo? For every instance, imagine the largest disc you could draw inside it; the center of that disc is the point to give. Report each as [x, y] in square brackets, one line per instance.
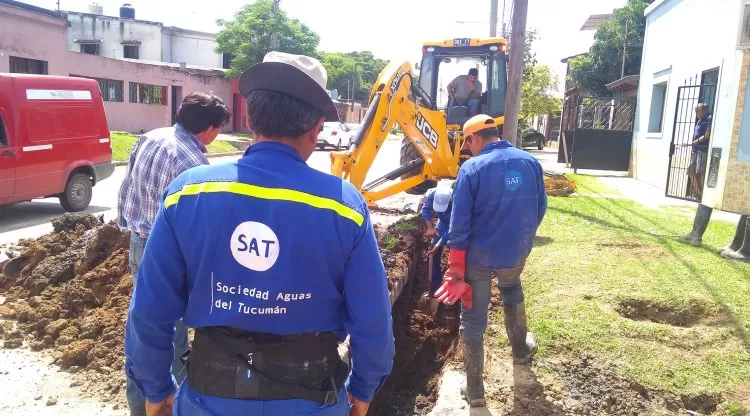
[473, 391]
[523, 343]
[739, 236]
[702, 216]
[744, 252]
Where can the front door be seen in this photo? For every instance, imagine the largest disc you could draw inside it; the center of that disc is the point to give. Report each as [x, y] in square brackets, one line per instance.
[176, 102]
[237, 113]
[7, 163]
[682, 180]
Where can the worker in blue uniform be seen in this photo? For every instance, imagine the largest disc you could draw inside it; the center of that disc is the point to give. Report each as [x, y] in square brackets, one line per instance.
[273, 263]
[499, 200]
[437, 202]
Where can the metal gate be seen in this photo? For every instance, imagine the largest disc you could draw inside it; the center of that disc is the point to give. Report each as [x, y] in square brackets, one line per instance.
[680, 184]
[603, 138]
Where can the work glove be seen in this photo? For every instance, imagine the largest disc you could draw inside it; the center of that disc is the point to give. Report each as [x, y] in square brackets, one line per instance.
[454, 287]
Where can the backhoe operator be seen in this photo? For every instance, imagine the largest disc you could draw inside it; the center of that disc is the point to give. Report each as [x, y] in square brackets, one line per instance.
[273, 263]
[499, 201]
[466, 90]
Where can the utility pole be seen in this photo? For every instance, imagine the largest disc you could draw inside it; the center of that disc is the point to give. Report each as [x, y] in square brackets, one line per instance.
[493, 18]
[354, 88]
[58, 5]
[275, 36]
[513, 97]
[624, 50]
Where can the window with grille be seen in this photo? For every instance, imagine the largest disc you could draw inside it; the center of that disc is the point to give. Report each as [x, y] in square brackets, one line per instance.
[147, 94]
[111, 88]
[227, 60]
[27, 66]
[130, 51]
[90, 48]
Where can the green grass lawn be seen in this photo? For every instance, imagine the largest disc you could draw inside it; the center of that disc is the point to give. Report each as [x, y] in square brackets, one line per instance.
[598, 256]
[122, 143]
[588, 184]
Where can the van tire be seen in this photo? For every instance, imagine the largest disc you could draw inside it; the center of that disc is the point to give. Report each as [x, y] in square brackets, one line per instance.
[409, 153]
[77, 194]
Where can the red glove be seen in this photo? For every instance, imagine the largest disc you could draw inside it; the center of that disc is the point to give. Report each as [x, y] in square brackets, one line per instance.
[454, 287]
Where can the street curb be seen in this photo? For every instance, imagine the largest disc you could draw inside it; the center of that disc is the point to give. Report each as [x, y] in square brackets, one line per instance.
[209, 156]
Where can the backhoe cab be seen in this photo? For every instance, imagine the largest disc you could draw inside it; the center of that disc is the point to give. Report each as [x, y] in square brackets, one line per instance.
[431, 148]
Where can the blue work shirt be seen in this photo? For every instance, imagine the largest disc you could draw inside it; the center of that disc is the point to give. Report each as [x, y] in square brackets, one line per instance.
[444, 218]
[499, 201]
[265, 244]
[702, 127]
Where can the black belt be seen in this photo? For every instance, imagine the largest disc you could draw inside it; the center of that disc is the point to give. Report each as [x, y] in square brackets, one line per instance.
[231, 363]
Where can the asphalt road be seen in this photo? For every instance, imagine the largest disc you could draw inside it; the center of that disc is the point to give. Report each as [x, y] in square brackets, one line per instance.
[32, 219]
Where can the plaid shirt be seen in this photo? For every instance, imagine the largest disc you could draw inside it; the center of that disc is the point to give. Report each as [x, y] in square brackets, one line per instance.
[155, 160]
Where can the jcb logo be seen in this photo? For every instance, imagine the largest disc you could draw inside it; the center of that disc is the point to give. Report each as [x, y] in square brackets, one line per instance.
[426, 129]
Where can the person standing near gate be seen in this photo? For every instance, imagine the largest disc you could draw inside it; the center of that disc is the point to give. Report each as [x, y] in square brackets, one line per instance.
[273, 263]
[499, 200]
[156, 159]
[699, 156]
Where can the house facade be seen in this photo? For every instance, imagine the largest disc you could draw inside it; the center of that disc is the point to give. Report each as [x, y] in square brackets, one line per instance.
[123, 36]
[139, 94]
[691, 56]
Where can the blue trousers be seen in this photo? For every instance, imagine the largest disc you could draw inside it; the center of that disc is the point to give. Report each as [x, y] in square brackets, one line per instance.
[474, 320]
[188, 402]
[136, 401]
[472, 103]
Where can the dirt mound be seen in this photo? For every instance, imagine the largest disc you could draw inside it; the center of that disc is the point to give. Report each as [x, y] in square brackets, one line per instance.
[559, 185]
[69, 294]
[423, 344]
[685, 314]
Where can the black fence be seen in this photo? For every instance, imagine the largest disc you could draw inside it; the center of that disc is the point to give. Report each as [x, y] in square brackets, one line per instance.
[687, 166]
[598, 133]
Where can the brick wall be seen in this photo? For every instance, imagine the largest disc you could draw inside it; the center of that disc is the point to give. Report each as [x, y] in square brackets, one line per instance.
[737, 189]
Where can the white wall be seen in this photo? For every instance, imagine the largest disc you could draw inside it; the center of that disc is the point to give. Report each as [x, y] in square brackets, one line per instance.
[113, 32]
[195, 48]
[683, 39]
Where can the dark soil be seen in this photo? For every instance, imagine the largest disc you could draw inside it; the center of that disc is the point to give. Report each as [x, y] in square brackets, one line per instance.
[423, 343]
[684, 315]
[70, 296]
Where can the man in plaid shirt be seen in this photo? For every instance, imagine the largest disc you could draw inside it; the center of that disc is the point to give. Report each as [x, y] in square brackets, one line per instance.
[156, 158]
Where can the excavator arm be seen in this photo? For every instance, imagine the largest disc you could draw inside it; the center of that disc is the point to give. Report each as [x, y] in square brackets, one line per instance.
[395, 99]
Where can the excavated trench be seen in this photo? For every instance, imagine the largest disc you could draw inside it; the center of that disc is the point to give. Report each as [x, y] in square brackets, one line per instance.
[69, 292]
[423, 343]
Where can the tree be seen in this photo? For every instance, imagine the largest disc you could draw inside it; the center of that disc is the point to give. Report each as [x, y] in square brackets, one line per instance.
[603, 64]
[537, 83]
[536, 99]
[248, 36]
[340, 68]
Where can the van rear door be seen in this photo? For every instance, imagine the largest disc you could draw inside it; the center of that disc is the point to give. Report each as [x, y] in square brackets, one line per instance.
[7, 162]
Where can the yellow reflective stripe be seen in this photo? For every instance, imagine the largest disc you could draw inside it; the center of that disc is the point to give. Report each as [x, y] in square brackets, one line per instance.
[279, 194]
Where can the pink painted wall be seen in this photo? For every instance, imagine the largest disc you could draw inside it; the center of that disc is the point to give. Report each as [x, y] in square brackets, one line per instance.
[32, 35]
[134, 117]
[28, 34]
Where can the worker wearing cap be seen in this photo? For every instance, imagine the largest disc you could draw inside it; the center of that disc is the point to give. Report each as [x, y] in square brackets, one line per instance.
[499, 201]
[273, 263]
[437, 201]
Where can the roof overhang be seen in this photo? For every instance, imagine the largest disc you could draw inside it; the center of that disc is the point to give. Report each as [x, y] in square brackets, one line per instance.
[629, 83]
[595, 20]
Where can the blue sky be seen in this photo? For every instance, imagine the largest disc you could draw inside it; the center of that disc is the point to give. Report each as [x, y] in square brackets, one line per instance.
[392, 29]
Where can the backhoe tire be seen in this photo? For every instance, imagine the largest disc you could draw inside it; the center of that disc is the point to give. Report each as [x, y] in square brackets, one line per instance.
[409, 153]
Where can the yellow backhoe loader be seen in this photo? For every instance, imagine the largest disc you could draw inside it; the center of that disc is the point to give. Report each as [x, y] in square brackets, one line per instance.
[431, 148]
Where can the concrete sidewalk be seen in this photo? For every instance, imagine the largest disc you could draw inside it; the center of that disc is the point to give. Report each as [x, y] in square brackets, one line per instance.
[639, 191]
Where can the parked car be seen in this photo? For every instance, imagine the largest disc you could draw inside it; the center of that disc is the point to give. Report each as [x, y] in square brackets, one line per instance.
[54, 139]
[336, 135]
[531, 137]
